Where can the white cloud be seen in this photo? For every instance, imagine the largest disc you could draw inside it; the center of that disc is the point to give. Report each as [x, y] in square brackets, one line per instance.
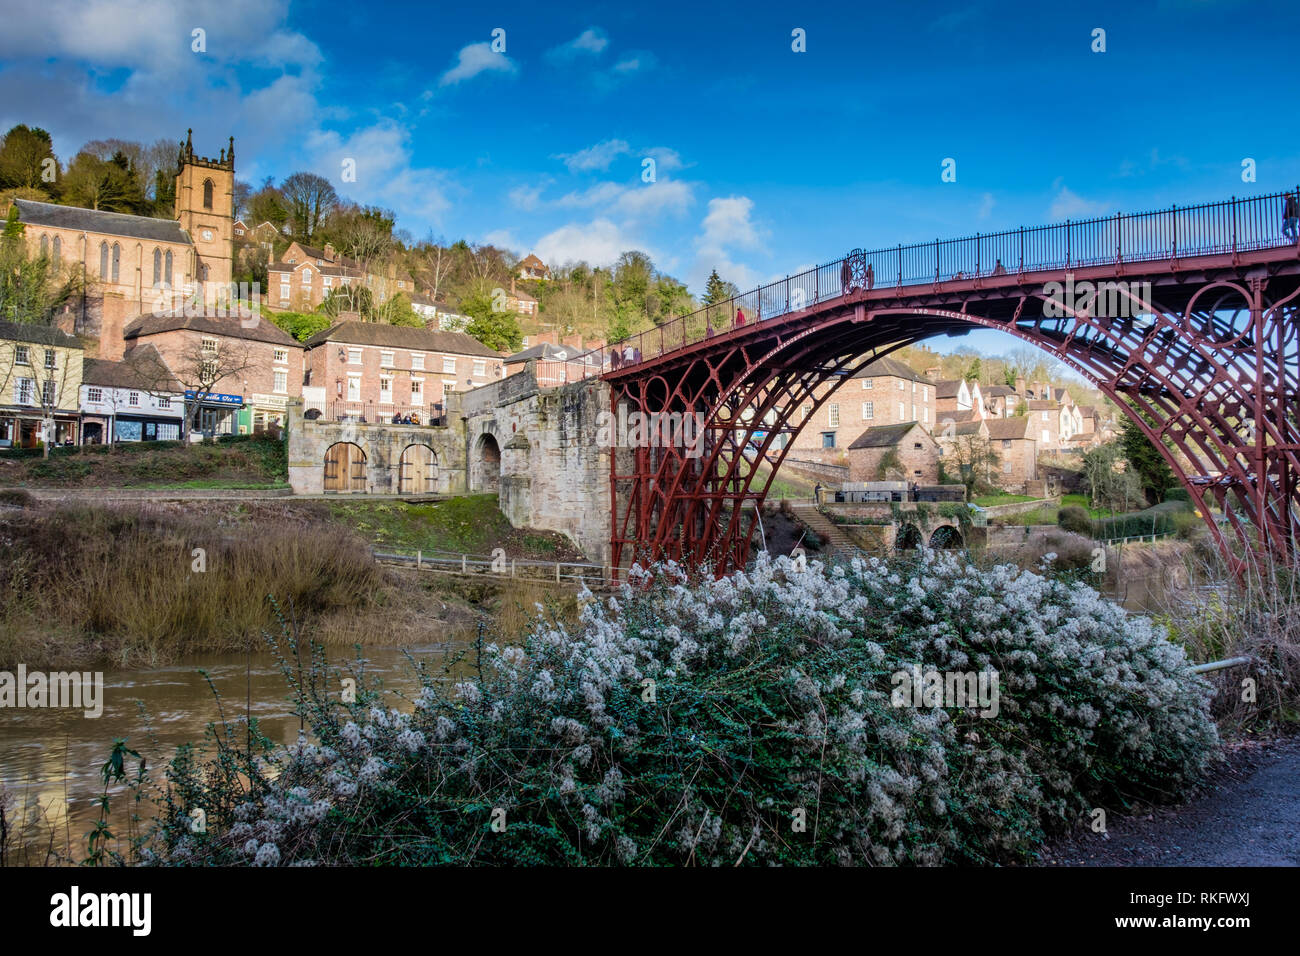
[590, 42]
[595, 157]
[728, 223]
[384, 174]
[1068, 204]
[598, 242]
[475, 59]
[987, 202]
[635, 62]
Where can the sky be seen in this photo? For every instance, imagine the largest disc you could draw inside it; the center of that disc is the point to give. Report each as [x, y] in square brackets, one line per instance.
[766, 160]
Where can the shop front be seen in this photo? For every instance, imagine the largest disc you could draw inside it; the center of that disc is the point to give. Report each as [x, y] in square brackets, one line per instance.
[25, 428]
[218, 415]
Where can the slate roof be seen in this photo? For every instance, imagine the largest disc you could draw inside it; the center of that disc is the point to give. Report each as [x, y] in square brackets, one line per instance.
[354, 332]
[259, 330]
[33, 213]
[39, 334]
[1008, 429]
[549, 352]
[891, 368]
[143, 369]
[882, 436]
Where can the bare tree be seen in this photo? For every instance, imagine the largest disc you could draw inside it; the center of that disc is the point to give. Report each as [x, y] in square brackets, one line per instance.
[198, 367]
[310, 199]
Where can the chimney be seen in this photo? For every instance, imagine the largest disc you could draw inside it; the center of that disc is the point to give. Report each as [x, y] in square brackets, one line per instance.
[933, 373]
[572, 341]
[1020, 385]
[329, 251]
[512, 285]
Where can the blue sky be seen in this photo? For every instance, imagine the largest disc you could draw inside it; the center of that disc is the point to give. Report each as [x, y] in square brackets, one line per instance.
[767, 160]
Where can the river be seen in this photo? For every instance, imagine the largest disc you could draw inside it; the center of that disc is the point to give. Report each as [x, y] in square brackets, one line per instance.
[50, 758]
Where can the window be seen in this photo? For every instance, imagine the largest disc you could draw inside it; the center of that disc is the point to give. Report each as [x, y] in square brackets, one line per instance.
[354, 388]
[167, 270]
[58, 249]
[925, 393]
[95, 395]
[281, 355]
[913, 388]
[868, 411]
[47, 393]
[925, 414]
[807, 411]
[133, 399]
[1006, 444]
[21, 356]
[164, 401]
[117, 262]
[157, 268]
[281, 381]
[306, 276]
[1044, 416]
[326, 281]
[1046, 438]
[207, 194]
[23, 391]
[916, 445]
[902, 411]
[828, 439]
[208, 345]
[386, 359]
[385, 389]
[417, 361]
[284, 292]
[45, 245]
[833, 416]
[902, 386]
[51, 358]
[416, 387]
[103, 260]
[868, 384]
[354, 356]
[448, 365]
[480, 366]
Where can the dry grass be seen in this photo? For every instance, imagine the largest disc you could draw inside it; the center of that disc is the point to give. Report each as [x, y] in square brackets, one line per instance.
[123, 584]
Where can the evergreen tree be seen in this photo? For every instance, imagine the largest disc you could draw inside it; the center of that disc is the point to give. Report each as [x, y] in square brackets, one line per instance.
[1157, 477]
[717, 290]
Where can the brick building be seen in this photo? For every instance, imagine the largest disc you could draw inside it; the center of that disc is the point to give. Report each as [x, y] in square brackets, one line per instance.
[40, 374]
[258, 366]
[372, 370]
[886, 392]
[1012, 441]
[130, 262]
[901, 452]
[304, 276]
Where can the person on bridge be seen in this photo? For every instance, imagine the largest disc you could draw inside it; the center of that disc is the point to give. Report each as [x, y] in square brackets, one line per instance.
[999, 269]
[740, 317]
[1290, 217]
[817, 493]
[871, 277]
[846, 277]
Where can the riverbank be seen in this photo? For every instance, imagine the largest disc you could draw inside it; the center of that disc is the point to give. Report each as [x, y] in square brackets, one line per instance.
[154, 582]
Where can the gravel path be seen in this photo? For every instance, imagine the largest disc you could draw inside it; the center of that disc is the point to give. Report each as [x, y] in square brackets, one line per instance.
[1249, 815]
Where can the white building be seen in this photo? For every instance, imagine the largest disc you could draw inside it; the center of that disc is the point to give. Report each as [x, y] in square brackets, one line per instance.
[136, 399]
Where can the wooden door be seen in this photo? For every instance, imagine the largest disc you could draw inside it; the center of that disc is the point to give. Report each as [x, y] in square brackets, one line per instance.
[419, 470]
[345, 468]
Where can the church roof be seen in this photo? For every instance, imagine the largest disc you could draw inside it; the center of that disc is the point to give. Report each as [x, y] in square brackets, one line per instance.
[33, 213]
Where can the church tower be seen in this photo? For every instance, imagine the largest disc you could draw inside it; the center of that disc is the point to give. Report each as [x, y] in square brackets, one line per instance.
[205, 209]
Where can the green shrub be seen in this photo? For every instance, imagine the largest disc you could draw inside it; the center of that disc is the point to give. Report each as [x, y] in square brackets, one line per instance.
[701, 722]
[1076, 519]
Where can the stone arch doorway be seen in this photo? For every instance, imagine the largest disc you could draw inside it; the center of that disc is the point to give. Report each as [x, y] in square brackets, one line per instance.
[946, 537]
[418, 472]
[908, 538]
[485, 469]
[345, 468]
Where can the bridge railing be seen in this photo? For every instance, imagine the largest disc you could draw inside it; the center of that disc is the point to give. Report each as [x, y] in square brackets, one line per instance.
[1234, 225]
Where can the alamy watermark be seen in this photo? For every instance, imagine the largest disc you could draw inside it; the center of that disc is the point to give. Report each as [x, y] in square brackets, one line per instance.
[39, 689]
[947, 689]
[1109, 300]
[683, 430]
[241, 300]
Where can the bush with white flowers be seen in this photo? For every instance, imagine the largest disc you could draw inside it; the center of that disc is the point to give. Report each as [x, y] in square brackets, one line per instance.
[694, 721]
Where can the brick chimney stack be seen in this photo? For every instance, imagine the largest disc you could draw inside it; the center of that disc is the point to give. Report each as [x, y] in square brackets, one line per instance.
[1020, 385]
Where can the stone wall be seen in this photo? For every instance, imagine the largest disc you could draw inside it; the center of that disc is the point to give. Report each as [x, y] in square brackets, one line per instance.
[383, 445]
[553, 473]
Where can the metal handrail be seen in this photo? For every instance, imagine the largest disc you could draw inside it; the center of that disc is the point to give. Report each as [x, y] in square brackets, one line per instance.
[1230, 226]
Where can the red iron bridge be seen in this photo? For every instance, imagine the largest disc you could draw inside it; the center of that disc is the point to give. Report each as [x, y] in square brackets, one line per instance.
[1184, 317]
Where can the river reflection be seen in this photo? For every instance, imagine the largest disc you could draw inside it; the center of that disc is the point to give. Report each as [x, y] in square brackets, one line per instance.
[50, 759]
